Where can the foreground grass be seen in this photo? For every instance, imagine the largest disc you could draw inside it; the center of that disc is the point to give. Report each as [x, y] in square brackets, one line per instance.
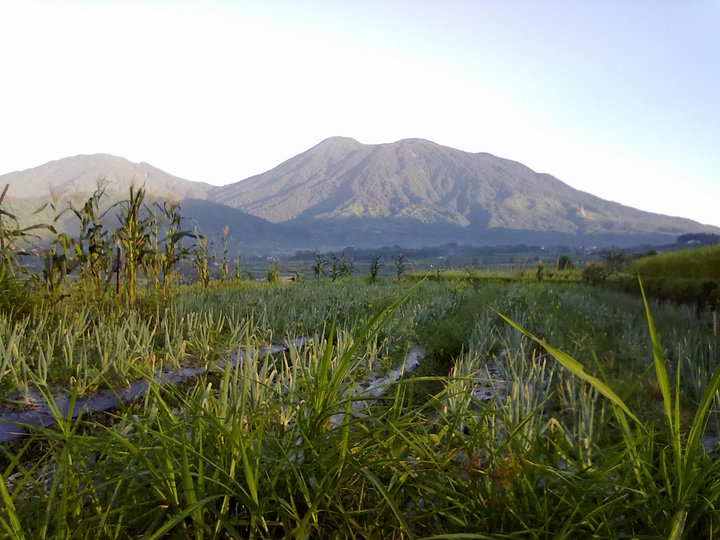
[273, 447]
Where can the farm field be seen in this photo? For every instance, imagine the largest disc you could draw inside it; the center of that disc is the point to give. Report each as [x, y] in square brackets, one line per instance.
[689, 275]
[489, 435]
[412, 401]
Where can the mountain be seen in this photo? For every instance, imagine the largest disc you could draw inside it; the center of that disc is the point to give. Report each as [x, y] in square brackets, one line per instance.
[412, 193]
[78, 176]
[75, 178]
[419, 191]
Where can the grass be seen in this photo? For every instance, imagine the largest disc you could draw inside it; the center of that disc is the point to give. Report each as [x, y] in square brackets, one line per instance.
[694, 263]
[685, 276]
[600, 406]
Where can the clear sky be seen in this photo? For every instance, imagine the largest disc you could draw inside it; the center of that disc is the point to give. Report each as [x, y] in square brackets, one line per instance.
[615, 97]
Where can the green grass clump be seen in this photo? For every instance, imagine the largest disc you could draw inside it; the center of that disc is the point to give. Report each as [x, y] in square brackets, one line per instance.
[690, 276]
[695, 263]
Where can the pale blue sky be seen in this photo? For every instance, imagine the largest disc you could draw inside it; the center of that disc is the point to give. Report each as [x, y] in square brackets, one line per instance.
[617, 98]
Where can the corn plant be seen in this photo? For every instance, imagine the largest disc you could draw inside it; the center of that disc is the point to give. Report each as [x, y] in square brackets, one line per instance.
[340, 266]
[375, 266]
[471, 271]
[320, 265]
[8, 261]
[164, 253]
[92, 248]
[152, 261]
[334, 263]
[10, 233]
[173, 249]
[346, 266]
[594, 274]
[238, 273]
[400, 264]
[6, 255]
[65, 254]
[57, 264]
[200, 259]
[224, 262]
[134, 237]
[2, 212]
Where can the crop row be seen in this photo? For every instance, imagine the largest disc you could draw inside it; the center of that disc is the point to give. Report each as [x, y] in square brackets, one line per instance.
[509, 440]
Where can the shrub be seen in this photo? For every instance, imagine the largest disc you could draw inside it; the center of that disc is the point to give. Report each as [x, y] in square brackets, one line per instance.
[593, 274]
[272, 275]
[564, 262]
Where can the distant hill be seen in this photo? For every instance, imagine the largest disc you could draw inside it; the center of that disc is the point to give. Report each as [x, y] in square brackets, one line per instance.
[78, 176]
[415, 190]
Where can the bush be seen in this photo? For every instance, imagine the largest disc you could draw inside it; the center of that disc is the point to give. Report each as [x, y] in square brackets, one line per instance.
[272, 275]
[594, 274]
[564, 262]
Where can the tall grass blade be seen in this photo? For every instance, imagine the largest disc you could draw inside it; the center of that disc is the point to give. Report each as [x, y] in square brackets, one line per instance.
[388, 499]
[678, 525]
[12, 525]
[181, 516]
[662, 377]
[189, 488]
[698, 423]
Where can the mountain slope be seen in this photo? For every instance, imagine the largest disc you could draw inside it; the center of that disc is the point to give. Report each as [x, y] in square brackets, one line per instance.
[250, 234]
[420, 182]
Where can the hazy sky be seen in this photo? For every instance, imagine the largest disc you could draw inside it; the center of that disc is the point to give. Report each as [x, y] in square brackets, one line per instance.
[620, 98]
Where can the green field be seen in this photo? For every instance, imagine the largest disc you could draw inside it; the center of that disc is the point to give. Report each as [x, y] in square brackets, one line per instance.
[695, 263]
[542, 407]
[253, 451]
[685, 276]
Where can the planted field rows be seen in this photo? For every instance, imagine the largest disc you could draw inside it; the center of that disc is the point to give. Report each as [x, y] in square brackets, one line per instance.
[489, 431]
